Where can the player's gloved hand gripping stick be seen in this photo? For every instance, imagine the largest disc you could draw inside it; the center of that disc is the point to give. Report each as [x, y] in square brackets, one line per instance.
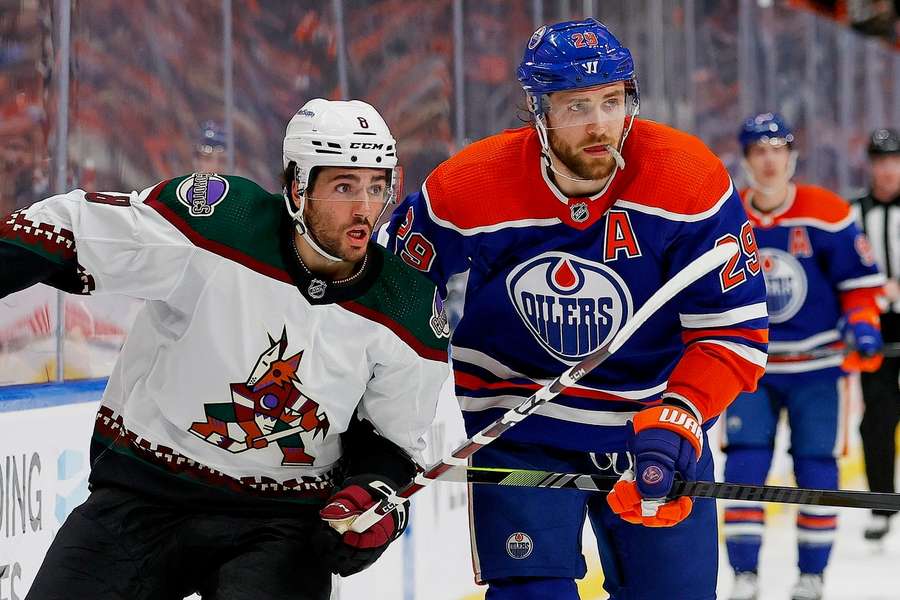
[698, 268]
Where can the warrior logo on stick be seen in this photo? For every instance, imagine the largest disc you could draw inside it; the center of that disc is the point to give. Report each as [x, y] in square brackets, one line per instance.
[268, 407]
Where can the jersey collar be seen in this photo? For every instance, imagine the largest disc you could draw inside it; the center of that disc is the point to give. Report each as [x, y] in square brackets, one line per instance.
[768, 219]
[322, 290]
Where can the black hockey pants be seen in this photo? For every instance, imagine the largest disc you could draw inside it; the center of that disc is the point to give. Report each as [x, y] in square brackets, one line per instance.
[119, 546]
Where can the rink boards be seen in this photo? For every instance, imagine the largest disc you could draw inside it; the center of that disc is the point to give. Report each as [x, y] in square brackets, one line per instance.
[44, 438]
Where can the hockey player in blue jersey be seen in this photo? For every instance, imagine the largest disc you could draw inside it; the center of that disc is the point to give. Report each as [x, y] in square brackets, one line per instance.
[544, 240]
[822, 284]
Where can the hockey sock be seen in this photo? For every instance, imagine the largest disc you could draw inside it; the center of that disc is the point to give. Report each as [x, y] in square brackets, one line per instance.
[816, 525]
[744, 522]
[532, 588]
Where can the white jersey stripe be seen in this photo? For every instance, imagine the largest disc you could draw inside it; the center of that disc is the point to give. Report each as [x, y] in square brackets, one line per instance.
[819, 223]
[749, 354]
[554, 411]
[673, 216]
[805, 365]
[809, 343]
[862, 282]
[723, 319]
[501, 371]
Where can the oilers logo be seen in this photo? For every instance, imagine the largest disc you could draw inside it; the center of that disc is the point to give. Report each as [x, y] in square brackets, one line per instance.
[519, 545]
[786, 284]
[572, 306]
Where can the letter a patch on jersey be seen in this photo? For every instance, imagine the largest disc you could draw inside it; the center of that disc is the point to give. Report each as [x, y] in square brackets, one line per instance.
[619, 236]
[799, 242]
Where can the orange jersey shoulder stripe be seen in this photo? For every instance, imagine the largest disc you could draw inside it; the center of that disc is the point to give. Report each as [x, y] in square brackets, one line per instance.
[818, 203]
[671, 170]
[492, 181]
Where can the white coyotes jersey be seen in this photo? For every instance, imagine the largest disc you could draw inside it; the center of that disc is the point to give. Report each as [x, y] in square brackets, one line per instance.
[241, 370]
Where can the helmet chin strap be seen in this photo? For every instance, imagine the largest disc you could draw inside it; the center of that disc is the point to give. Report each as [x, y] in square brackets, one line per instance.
[768, 190]
[303, 229]
[548, 155]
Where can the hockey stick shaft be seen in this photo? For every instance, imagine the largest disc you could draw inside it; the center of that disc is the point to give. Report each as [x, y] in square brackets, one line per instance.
[888, 350]
[698, 489]
[460, 456]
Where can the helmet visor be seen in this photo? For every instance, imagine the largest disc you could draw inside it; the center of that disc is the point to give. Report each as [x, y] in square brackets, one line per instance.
[374, 192]
[602, 105]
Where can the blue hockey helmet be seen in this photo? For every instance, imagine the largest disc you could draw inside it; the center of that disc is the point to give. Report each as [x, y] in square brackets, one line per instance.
[573, 55]
[212, 138]
[766, 128]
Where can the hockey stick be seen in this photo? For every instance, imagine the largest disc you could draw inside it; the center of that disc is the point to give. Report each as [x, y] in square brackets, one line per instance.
[888, 350]
[700, 489]
[689, 274]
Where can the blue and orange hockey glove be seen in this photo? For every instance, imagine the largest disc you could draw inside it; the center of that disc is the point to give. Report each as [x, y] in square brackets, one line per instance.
[861, 331]
[664, 441]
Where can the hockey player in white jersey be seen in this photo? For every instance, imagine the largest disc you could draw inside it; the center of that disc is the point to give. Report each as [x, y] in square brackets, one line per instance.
[279, 377]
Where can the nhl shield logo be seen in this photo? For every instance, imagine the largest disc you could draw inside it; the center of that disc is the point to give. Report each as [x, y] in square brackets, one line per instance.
[786, 284]
[579, 212]
[572, 306]
[519, 545]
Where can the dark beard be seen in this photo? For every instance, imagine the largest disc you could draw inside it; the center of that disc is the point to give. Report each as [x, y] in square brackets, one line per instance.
[326, 242]
[577, 163]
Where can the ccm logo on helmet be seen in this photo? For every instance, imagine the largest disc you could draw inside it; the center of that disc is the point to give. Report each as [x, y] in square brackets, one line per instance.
[366, 145]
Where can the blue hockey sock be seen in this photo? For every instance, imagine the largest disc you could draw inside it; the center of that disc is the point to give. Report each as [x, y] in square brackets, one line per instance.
[532, 588]
[744, 522]
[816, 526]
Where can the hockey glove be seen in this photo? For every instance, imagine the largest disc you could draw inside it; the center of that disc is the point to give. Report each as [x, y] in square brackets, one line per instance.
[664, 441]
[861, 331]
[347, 552]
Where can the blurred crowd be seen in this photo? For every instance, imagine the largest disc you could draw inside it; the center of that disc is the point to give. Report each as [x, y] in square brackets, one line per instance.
[146, 74]
[147, 95]
[880, 18]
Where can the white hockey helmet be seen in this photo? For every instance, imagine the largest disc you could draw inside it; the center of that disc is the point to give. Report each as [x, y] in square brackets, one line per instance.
[335, 133]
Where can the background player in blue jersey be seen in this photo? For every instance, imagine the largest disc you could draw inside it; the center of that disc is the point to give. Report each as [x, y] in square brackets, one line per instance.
[822, 283]
[544, 240]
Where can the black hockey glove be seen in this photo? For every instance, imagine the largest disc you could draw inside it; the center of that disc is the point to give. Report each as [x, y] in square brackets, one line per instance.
[346, 552]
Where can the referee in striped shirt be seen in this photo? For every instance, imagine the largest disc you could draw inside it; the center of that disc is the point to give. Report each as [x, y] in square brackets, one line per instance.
[879, 214]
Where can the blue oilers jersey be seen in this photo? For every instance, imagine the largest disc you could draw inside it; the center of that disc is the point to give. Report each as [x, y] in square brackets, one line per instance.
[817, 266]
[535, 281]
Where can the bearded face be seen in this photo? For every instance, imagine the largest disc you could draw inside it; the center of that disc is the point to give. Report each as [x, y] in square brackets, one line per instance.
[582, 123]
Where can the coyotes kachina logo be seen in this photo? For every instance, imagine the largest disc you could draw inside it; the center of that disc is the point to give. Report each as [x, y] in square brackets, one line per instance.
[267, 408]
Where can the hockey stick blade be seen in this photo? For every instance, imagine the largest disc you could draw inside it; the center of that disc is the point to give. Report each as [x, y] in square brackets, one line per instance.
[697, 489]
[702, 265]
